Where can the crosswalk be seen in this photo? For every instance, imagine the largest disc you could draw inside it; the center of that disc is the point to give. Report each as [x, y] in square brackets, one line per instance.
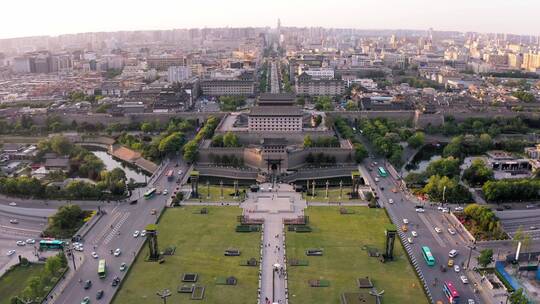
[107, 234]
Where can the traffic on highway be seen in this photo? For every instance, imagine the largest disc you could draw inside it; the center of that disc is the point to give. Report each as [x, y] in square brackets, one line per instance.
[441, 252]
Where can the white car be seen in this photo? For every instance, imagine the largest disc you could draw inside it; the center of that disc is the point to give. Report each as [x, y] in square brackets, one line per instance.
[459, 209]
[10, 253]
[453, 253]
[414, 233]
[445, 210]
[95, 255]
[143, 233]
[179, 172]
[390, 201]
[123, 266]
[78, 247]
[451, 231]
[21, 243]
[456, 268]
[405, 221]
[165, 192]
[470, 301]
[117, 252]
[136, 233]
[438, 230]
[13, 204]
[420, 210]
[14, 221]
[440, 208]
[30, 241]
[376, 179]
[464, 279]
[410, 240]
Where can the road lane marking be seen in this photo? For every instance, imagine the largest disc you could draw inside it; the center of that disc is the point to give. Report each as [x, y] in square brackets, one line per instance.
[20, 229]
[431, 229]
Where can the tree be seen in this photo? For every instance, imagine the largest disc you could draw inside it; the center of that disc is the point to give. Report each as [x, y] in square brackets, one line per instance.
[524, 96]
[61, 145]
[230, 140]
[190, 150]
[65, 221]
[440, 188]
[485, 257]
[324, 103]
[360, 153]
[172, 143]
[444, 167]
[417, 140]
[147, 127]
[518, 297]
[478, 173]
[217, 140]
[351, 106]
[307, 141]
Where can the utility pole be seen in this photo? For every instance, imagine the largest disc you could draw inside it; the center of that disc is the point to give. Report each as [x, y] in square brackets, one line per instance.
[164, 295]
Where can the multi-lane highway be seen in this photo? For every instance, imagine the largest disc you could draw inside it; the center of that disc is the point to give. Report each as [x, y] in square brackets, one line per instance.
[115, 230]
[403, 207]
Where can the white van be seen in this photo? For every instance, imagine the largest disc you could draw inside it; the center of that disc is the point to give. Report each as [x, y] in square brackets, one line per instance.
[453, 253]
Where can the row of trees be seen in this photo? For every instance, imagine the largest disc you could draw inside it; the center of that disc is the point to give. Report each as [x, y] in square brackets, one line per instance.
[491, 126]
[110, 184]
[482, 223]
[512, 190]
[524, 96]
[385, 137]
[323, 141]
[229, 140]
[206, 132]
[38, 286]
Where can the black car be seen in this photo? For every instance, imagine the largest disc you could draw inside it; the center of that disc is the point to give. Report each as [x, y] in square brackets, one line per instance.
[115, 281]
[133, 202]
[87, 284]
[99, 294]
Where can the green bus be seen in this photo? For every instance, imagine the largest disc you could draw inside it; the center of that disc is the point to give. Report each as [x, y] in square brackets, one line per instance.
[102, 269]
[48, 244]
[428, 256]
[148, 194]
[382, 172]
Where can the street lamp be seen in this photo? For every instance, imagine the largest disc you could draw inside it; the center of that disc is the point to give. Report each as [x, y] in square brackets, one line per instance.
[164, 295]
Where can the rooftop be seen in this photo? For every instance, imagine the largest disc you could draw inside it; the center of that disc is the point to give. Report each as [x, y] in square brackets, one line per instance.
[276, 111]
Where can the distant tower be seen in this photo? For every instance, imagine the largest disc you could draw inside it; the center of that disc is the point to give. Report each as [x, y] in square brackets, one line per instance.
[278, 26]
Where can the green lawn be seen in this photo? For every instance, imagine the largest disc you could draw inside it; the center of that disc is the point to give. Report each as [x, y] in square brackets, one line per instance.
[13, 282]
[215, 194]
[342, 238]
[333, 195]
[200, 241]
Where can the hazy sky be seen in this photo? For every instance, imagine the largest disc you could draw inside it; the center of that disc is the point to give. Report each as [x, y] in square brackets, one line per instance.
[53, 17]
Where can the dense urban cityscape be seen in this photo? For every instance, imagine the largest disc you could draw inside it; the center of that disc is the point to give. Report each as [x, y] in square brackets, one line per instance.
[276, 164]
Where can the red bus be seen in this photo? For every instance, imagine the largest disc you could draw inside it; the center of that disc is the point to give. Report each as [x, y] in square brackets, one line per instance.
[170, 174]
[451, 292]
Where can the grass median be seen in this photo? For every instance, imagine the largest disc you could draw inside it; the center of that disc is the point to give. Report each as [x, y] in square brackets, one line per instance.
[344, 261]
[200, 241]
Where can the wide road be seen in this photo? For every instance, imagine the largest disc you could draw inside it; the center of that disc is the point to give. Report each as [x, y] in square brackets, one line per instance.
[115, 230]
[403, 207]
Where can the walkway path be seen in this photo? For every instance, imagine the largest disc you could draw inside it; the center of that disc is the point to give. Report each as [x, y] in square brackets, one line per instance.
[274, 206]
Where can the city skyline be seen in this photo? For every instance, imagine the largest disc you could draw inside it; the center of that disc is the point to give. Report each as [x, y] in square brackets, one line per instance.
[68, 18]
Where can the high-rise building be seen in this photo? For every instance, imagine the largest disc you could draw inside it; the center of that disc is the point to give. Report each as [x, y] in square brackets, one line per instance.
[178, 73]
